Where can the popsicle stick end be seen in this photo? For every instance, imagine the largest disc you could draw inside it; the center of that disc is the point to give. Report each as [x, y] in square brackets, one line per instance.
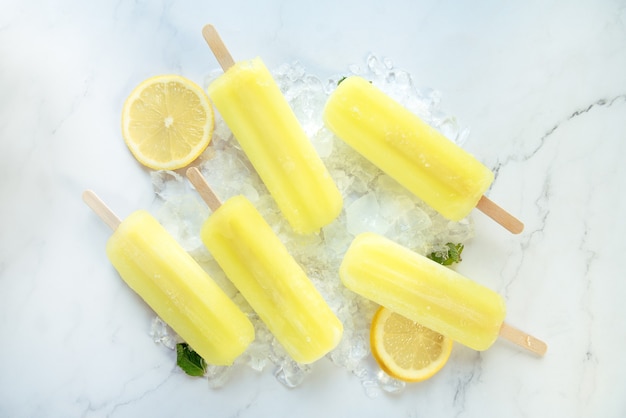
[495, 212]
[101, 209]
[218, 48]
[524, 340]
[202, 187]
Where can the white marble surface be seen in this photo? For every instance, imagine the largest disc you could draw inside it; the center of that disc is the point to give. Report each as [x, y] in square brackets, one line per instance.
[542, 85]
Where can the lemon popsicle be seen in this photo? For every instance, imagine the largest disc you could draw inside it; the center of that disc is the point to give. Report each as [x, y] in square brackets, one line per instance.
[435, 169]
[172, 283]
[273, 283]
[428, 293]
[254, 108]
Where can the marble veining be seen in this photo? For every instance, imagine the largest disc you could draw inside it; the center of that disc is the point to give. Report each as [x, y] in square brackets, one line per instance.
[541, 86]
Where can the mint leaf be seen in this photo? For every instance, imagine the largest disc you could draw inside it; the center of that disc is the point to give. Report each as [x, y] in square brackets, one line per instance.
[189, 360]
[450, 255]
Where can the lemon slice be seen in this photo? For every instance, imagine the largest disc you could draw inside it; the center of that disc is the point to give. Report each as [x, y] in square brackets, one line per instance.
[405, 349]
[167, 122]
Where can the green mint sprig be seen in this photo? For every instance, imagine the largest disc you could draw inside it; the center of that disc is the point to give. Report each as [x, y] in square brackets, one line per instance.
[450, 255]
[190, 361]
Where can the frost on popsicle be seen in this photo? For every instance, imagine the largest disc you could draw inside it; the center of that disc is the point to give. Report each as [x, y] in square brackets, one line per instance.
[372, 202]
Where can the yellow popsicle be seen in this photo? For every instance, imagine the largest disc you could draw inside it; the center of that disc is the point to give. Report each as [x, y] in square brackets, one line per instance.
[423, 291]
[276, 287]
[398, 142]
[181, 293]
[253, 107]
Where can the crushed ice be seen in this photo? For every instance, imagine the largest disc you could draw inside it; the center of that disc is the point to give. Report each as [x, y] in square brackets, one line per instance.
[161, 333]
[372, 202]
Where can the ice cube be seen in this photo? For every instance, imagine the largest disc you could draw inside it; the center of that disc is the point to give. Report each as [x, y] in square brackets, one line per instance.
[218, 376]
[389, 384]
[161, 333]
[363, 215]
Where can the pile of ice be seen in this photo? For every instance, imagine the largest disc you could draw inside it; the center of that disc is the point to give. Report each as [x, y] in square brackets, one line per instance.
[372, 202]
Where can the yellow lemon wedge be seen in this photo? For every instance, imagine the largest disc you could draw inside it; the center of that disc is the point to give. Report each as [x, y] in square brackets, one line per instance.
[167, 122]
[405, 349]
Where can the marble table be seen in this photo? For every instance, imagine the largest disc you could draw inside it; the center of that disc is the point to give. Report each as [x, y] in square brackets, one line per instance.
[540, 85]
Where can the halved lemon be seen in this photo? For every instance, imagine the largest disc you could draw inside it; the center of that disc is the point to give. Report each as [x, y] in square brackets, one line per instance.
[405, 349]
[167, 122]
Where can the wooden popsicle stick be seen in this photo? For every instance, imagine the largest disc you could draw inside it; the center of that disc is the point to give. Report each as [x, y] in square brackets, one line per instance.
[217, 46]
[523, 339]
[206, 193]
[495, 212]
[101, 209]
